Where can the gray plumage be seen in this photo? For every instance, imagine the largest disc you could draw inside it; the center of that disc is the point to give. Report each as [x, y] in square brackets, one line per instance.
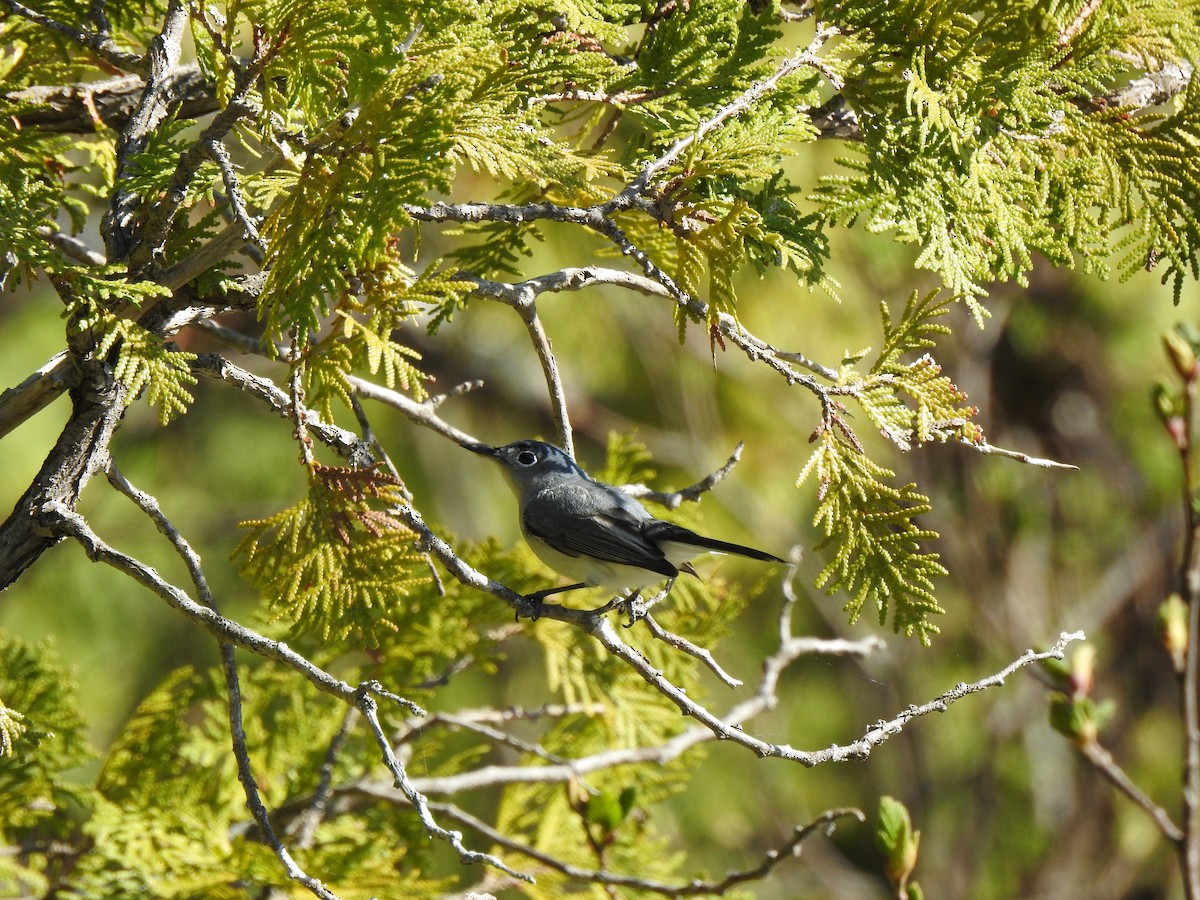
[591, 531]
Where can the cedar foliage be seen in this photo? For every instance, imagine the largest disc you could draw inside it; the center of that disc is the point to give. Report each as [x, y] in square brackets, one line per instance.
[984, 137]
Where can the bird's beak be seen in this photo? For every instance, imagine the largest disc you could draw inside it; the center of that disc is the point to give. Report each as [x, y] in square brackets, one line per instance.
[482, 449]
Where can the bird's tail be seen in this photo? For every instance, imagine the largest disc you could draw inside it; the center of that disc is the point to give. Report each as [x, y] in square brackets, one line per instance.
[660, 532]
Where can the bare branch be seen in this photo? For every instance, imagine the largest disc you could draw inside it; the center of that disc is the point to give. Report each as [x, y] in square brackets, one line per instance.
[419, 413]
[1104, 763]
[367, 706]
[67, 523]
[692, 493]
[71, 247]
[36, 392]
[695, 887]
[859, 749]
[219, 155]
[683, 644]
[345, 443]
[163, 55]
[992, 450]
[473, 724]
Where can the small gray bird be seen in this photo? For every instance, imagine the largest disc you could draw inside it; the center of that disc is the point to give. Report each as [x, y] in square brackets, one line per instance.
[593, 532]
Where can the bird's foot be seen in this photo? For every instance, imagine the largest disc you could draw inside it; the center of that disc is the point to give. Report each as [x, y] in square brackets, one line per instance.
[635, 608]
[531, 607]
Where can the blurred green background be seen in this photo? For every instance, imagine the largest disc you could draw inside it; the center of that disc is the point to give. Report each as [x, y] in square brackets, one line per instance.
[1063, 369]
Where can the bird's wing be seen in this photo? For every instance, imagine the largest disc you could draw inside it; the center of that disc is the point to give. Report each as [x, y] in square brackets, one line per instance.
[585, 520]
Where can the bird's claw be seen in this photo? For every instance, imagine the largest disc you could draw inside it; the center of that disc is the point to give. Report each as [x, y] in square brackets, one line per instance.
[634, 607]
[531, 608]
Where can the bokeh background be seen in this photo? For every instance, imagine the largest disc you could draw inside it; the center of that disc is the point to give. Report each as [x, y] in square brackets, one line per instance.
[1064, 368]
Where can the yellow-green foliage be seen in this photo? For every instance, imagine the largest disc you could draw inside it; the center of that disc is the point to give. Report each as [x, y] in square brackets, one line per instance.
[338, 564]
[867, 523]
[41, 740]
[981, 143]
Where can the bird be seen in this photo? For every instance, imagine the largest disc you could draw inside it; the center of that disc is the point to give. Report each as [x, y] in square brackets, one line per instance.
[593, 532]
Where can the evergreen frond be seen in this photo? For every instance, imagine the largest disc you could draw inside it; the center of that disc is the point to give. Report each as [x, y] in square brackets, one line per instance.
[144, 361]
[338, 563]
[42, 737]
[876, 543]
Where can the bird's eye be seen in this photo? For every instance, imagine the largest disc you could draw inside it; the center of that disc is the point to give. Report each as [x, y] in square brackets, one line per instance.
[526, 457]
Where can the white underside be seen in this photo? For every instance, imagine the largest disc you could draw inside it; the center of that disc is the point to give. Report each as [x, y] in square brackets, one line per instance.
[612, 576]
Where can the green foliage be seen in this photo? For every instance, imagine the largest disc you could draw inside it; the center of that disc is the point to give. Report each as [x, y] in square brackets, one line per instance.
[143, 360]
[171, 820]
[42, 738]
[900, 844]
[875, 545]
[868, 523]
[338, 563]
[982, 143]
[936, 412]
[383, 302]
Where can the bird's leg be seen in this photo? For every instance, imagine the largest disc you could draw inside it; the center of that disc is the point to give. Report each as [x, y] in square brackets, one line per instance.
[637, 608]
[539, 596]
[535, 599]
[632, 607]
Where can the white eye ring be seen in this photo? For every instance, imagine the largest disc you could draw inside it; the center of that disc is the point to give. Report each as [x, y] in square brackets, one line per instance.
[526, 457]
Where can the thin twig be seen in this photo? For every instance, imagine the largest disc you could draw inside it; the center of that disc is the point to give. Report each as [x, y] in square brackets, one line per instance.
[310, 817]
[468, 723]
[99, 42]
[367, 706]
[696, 887]
[692, 493]
[521, 298]
[1104, 763]
[806, 58]
[149, 505]
[683, 644]
[992, 450]
[1189, 577]
[219, 155]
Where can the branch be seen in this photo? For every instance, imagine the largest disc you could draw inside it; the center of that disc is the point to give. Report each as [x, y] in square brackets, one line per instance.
[100, 43]
[241, 754]
[346, 443]
[157, 221]
[71, 247]
[521, 298]
[118, 224]
[806, 58]
[991, 450]
[695, 887]
[92, 106]
[37, 391]
[692, 493]
[1104, 763]
[683, 644]
[369, 708]
[219, 155]
[859, 749]
[64, 522]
